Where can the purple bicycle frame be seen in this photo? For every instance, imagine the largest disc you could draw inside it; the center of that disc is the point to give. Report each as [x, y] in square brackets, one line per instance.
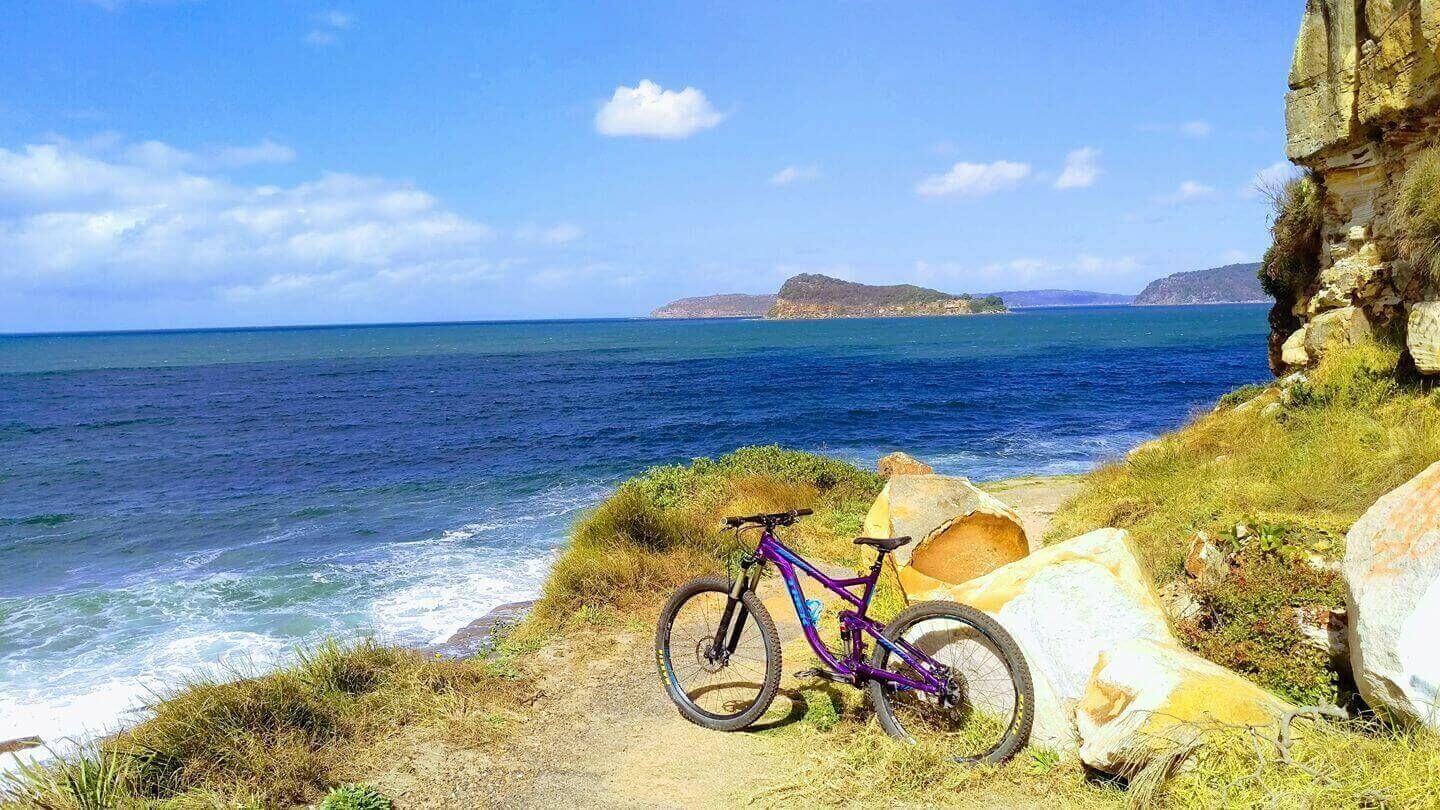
[852, 667]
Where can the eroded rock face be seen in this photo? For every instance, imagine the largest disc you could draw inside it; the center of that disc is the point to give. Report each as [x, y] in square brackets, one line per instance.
[1066, 604]
[902, 464]
[1148, 699]
[1392, 574]
[1364, 100]
[962, 532]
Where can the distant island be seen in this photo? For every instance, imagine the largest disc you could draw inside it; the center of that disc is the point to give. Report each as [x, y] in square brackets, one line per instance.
[811, 296]
[1020, 299]
[1230, 284]
[814, 296]
[730, 305]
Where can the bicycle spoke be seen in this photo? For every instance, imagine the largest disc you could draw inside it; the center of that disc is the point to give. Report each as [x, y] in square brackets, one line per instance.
[717, 684]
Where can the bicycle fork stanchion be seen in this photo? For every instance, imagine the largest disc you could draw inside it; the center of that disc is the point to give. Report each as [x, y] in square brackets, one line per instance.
[724, 647]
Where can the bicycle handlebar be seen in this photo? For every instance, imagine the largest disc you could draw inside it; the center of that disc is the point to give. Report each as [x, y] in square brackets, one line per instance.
[770, 521]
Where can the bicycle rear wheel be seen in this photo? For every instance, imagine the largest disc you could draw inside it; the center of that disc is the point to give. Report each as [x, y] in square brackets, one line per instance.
[724, 688]
[987, 714]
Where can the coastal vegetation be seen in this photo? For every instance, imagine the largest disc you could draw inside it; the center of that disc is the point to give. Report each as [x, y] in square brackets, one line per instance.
[1419, 213]
[284, 737]
[1233, 283]
[664, 526]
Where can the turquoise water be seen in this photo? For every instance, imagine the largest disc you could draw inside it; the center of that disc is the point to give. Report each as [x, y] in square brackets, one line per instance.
[176, 501]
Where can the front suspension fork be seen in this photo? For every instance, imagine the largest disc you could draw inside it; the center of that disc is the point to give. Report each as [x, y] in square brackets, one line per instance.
[727, 638]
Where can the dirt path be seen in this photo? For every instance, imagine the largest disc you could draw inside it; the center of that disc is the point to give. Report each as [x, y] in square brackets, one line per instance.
[604, 734]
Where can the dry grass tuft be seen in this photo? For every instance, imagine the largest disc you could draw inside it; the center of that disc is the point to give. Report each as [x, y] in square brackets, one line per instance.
[279, 738]
[664, 527]
[1418, 210]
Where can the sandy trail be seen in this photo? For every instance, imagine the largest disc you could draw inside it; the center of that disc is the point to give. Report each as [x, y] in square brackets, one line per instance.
[604, 734]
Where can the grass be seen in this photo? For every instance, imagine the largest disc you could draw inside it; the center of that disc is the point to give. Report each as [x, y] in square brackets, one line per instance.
[664, 527]
[1418, 213]
[1349, 434]
[1292, 260]
[280, 738]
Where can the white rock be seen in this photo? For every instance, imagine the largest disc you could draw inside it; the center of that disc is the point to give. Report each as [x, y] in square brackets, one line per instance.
[1338, 327]
[1392, 573]
[1148, 699]
[1292, 352]
[1422, 336]
[1065, 604]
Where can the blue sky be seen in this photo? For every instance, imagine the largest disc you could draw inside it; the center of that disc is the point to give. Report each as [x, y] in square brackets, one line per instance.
[205, 163]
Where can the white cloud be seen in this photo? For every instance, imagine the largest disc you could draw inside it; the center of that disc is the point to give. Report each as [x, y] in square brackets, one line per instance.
[1028, 272]
[1270, 177]
[559, 234]
[266, 151]
[140, 222]
[974, 179]
[1196, 129]
[1187, 191]
[648, 110]
[1189, 129]
[795, 174]
[1082, 168]
[328, 24]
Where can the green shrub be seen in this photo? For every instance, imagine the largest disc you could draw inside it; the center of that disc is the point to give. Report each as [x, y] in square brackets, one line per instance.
[356, 797]
[1248, 624]
[1293, 258]
[664, 526]
[1240, 395]
[1418, 210]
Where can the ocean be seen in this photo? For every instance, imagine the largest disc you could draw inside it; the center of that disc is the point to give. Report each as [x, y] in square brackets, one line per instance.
[174, 503]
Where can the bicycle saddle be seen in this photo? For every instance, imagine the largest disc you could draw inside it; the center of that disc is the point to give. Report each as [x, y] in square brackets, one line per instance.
[882, 543]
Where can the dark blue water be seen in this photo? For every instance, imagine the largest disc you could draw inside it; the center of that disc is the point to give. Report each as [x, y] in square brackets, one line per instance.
[173, 500]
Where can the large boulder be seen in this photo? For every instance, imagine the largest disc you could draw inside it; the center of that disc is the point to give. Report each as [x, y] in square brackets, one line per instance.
[1149, 700]
[962, 532]
[1065, 605]
[898, 463]
[1392, 573]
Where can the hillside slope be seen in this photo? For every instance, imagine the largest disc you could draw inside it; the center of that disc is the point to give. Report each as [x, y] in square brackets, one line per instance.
[1230, 284]
[731, 305]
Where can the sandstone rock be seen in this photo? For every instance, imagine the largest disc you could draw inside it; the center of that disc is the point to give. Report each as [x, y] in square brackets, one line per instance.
[1338, 327]
[1148, 699]
[1293, 353]
[1364, 101]
[1392, 574]
[1179, 601]
[1206, 562]
[1065, 604]
[962, 532]
[1325, 629]
[478, 636]
[903, 464]
[1422, 336]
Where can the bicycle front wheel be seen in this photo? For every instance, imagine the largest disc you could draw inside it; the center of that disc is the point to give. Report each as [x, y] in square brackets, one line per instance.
[724, 687]
[987, 712]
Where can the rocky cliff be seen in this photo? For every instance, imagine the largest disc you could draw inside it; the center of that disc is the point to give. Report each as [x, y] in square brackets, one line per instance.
[1362, 115]
[1231, 284]
[810, 295]
[735, 305]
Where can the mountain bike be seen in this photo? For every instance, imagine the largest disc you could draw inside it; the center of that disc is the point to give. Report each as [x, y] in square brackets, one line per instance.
[939, 670]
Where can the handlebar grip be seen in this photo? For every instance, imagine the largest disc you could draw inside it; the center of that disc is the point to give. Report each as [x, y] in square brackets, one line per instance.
[804, 512]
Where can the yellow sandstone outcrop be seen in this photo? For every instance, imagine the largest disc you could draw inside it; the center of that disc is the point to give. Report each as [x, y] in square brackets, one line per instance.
[1147, 700]
[1364, 100]
[962, 532]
